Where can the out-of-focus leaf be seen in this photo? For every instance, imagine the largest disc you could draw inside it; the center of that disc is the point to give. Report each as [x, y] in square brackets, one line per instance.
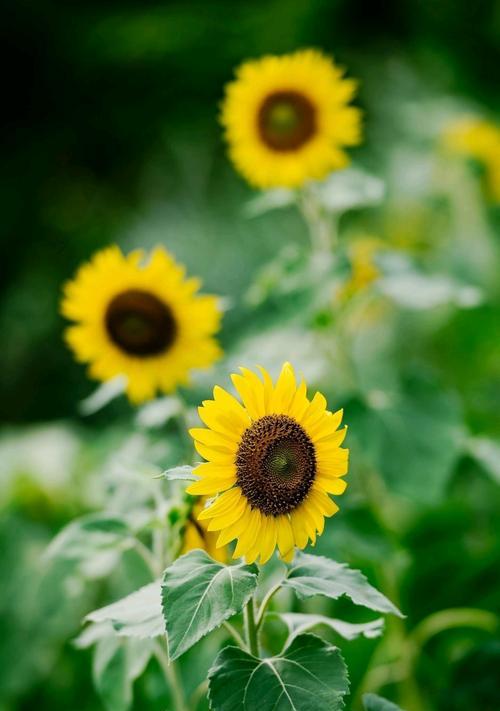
[314, 575]
[487, 453]
[270, 200]
[350, 188]
[298, 623]
[199, 594]
[136, 615]
[116, 665]
[158, 412]
[413, 440]
[104, 394]
[413, 290]
[310, 674]
[372, 702]
[90, 535]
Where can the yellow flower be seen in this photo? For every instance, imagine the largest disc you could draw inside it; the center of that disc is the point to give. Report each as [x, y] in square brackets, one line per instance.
[140, 318]
[197, 535]
[272, 461]
[287, 119]
[364, 270]
[480, 140]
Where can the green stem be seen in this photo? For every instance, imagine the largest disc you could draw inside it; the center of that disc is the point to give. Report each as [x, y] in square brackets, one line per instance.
[147, 557]
[251, 628]
[321, 227]
[171, 672]
[265, 602]
[234, 634]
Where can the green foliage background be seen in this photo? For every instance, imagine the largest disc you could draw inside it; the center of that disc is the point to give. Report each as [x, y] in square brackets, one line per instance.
[111, 135]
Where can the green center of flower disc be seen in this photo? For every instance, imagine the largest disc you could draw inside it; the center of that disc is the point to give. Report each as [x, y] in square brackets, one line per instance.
[286, 120]
[140, 324]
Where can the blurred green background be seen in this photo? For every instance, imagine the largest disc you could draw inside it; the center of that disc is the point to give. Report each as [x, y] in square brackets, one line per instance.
[111, 135]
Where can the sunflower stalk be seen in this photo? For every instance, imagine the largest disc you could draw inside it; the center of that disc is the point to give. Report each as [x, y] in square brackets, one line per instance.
[251, 630]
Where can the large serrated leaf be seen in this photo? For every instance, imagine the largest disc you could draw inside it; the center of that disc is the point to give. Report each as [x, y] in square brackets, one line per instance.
[299, 622]
[136, 615]
[199, 594]
[314, 575]
[309, 675]
[372, 702]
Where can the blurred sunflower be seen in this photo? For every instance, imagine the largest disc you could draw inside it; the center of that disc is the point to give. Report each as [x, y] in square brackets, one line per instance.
[197, 535]
[272, 461]
[364, 269]
[140, 319]
[479, 140]
[287, 119]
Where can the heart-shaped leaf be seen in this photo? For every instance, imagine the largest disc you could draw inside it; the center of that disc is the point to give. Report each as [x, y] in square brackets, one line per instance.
[199, 594]
[309, 675]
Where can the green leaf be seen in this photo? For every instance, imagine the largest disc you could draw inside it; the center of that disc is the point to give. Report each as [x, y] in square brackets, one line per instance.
[116, 664]
[199, 594]
[347, 189]
[487, 453]
[314, 575]
[372, 702]
[298, 623]
[104, 394]
[158, 412]
[270, 200]
[184, 473]
[88, 535]
[309, 675]
[136, 615]
[424, 432]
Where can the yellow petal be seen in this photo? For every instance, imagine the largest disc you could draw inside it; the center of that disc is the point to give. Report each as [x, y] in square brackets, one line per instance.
[267, 538]
[212, 454]
[299, 529]
[285, 537]
[247, 538]
[334, 486]
[222, 421]
[221, 504]
[320, 502]
[284, 390]
[210, 486]
[220, 471]
[228, 518]
[228, 534]
[213, 439]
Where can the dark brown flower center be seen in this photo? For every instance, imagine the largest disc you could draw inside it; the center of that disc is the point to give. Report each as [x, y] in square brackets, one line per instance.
[286, 120]
[140, 324]
[276, 464]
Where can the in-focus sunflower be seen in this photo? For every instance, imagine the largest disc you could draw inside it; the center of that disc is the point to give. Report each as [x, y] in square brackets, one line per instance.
[287, 119]
[479, 140]
[272, 461]
[140, 318]
[197, 535]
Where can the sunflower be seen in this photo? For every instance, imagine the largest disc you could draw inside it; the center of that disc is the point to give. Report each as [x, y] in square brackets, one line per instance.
[272, 461]
[197, 535]
[140, 318]
[287, 119]
[479, 140]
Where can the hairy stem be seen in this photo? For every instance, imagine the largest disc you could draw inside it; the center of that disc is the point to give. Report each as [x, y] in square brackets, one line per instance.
[265, 602]
[251, 628]
[171, 672]
[234, 634]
